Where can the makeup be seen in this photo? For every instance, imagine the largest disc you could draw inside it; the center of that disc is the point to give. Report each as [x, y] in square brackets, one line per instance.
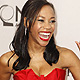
[44, 35]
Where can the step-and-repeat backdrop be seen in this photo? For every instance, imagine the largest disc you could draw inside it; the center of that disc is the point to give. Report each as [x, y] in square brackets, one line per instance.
[67, 27]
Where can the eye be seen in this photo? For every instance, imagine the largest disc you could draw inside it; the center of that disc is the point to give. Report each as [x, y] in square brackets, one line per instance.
[52, 21]
[41, 20]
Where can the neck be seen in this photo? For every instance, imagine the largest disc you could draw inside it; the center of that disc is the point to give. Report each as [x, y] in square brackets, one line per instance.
[35, 49]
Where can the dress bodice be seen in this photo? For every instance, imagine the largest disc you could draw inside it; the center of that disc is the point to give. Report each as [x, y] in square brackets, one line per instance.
[29, 74]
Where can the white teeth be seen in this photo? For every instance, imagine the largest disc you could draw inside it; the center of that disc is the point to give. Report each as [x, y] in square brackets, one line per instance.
[45, 37]
[45, 34]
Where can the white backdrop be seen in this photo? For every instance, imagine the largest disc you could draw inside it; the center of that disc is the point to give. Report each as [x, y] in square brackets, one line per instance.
[68, 25]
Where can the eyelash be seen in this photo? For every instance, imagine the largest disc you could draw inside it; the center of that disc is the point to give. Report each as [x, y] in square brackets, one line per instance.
[41, 20]
[52, 21]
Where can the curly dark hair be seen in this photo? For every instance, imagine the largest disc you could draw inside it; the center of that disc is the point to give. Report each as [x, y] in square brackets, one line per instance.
[20, 41]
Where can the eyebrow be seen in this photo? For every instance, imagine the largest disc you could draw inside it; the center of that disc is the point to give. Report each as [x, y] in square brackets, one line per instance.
[52, 17]
[44, 17]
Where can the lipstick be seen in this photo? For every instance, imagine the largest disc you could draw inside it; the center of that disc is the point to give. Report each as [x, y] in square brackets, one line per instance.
[44, 35]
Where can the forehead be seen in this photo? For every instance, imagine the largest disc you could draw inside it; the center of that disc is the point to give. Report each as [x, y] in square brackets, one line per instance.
[46, 11]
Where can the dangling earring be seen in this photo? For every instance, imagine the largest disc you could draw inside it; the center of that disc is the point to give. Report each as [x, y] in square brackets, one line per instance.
[25, 30]
[25, 20]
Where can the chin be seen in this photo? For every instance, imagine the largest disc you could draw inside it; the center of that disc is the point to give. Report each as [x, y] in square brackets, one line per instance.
[44, 44]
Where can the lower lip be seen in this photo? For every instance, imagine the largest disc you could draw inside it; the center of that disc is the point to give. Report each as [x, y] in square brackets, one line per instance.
[44, 39]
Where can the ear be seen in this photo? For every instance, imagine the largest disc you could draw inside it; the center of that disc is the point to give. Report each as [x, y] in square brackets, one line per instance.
[25, 22]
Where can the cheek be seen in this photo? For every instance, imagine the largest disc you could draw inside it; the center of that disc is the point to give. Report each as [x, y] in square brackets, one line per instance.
[35, 29]
[53, 28]
[36, 25]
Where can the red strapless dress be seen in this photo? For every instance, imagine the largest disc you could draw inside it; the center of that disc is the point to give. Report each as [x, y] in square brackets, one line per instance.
[28, 74]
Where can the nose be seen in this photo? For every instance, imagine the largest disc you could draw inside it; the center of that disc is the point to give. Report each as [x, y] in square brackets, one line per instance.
[47, 25]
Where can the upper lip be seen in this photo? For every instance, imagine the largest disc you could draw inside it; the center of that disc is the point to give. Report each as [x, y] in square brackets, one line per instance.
[45, 32]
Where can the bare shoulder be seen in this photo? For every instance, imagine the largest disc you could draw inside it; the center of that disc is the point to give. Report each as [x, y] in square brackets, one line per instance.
[67, 55]
[64, 50]
[5, 71]
[69, 59]
[4, 59]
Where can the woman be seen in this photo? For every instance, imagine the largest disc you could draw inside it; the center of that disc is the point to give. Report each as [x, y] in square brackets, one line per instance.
[35, 55]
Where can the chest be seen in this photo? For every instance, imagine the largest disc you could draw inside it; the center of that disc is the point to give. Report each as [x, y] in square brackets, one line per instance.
[41, 67]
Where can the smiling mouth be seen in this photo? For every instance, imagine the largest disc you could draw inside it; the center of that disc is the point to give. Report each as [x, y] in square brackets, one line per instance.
[44, 35]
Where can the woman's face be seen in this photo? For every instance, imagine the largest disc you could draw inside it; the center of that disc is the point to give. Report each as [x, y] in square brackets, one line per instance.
[44, 26]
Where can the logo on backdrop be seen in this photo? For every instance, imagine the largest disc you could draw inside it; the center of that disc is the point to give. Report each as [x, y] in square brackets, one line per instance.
[7, 13]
